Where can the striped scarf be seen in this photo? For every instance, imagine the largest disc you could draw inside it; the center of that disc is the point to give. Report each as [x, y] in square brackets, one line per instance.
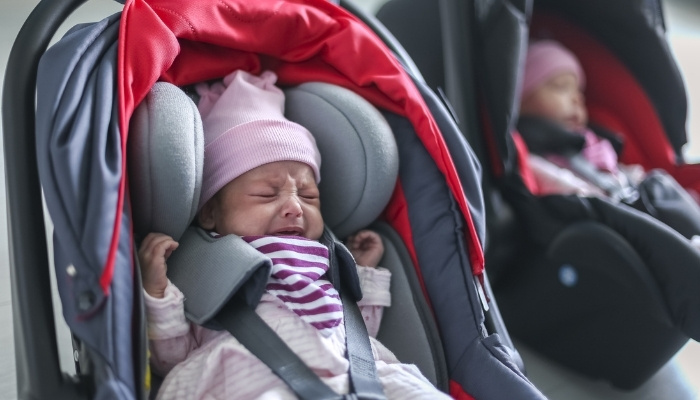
[297, 266]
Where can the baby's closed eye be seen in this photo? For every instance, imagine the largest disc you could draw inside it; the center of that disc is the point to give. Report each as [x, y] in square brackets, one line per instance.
[264, 194]
[309, 196]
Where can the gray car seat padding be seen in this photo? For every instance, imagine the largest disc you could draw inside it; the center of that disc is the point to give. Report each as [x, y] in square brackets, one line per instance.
[360, 160]
[166, 155]
[206, 273]
[408, 328]
[359, 157]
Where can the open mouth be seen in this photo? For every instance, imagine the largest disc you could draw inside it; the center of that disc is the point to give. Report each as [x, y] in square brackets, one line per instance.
[288, 232]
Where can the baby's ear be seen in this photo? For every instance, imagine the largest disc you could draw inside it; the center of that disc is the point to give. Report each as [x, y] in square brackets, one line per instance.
[205, 216]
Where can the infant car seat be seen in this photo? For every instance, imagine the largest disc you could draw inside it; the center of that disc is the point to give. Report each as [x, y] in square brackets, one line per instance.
[359, 171]
[580, 280]
[87, 89]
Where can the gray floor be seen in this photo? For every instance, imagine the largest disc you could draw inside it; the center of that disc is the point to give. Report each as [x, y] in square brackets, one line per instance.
[680, 379]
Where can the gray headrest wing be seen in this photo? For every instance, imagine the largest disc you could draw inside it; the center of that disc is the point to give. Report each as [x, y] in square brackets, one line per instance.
[359, 156]
[166, 153]
[210, 270]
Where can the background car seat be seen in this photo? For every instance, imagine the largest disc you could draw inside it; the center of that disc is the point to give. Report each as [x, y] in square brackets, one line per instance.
[636, 89]
[555, 279]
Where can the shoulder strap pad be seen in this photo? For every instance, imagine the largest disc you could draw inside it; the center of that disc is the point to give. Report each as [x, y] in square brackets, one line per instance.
[210, 270]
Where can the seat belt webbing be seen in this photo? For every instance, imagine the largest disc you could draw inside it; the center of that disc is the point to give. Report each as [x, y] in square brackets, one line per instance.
[363, 372]
[247, 326]
[614, 188]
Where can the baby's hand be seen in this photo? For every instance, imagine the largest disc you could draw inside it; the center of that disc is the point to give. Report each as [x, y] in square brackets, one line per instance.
[154, 250]
[367, 248]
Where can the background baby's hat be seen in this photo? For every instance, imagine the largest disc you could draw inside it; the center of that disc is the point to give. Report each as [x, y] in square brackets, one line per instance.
[244, 128]
[544, 59]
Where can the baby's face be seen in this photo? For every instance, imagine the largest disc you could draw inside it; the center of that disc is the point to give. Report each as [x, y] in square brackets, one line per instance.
[559, 99]
[279, 198]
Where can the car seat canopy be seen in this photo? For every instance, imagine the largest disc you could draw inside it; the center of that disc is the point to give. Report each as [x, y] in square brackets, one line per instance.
[173, 48]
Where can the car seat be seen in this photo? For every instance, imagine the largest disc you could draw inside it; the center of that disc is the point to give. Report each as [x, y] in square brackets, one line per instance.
[358, 175]
[87, 87]
[578, 290]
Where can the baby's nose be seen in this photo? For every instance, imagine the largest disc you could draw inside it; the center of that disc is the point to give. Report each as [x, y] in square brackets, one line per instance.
[292, 207]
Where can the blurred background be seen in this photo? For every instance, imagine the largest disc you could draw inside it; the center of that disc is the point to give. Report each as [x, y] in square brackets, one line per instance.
[681, 375]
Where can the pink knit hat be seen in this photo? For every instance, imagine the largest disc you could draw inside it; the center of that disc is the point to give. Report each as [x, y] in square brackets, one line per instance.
[244, 128]
[544, 59]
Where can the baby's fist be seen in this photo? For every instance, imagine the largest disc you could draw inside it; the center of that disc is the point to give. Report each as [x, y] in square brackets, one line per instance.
[154, 250]
[367, 248]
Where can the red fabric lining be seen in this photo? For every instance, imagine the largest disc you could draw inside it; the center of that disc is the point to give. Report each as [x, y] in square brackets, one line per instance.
[688, 176]
[523, 164]
[491, 146]
[302, 41]
[397, 213]
[458, 393]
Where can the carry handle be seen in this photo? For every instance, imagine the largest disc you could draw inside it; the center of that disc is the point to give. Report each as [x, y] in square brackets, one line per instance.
[36, 352]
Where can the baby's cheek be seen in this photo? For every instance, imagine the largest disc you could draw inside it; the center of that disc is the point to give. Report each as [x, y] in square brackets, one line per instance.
[315, 223]
[248, 222]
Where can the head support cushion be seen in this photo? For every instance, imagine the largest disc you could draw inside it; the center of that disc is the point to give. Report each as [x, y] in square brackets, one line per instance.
[359, 157]
[166, 152]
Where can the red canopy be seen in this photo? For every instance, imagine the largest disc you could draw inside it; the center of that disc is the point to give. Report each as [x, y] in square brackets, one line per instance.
[185, 41]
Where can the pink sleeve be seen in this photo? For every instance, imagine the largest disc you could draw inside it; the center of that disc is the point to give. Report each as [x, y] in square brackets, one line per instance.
[171, 336]
[375, 283]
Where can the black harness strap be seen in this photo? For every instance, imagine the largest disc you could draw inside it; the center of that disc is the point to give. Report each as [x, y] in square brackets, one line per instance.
[247, 326]
[363, 372]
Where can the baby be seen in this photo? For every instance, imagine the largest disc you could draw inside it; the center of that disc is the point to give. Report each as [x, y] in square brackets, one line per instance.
[568, 158]
[553, 122]
[260, 182]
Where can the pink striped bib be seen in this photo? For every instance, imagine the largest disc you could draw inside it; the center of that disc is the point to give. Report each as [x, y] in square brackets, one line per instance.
[297, 266]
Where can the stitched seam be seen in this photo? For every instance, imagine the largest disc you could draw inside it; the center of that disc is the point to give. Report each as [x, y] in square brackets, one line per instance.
[241, 18]
[179, 16]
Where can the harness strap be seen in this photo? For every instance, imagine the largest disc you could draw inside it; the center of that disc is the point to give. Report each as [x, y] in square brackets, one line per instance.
[615, 189]
[363, 373]
[247, 326]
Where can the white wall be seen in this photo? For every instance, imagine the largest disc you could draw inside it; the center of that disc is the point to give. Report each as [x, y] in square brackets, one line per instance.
[683, 28]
